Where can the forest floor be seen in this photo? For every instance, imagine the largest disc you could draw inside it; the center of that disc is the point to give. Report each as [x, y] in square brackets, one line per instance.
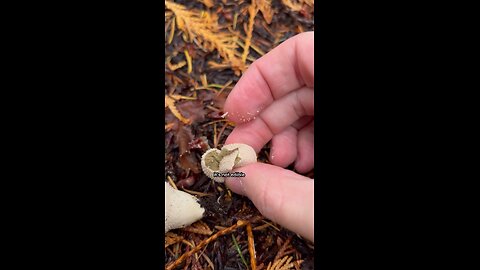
[208, 44]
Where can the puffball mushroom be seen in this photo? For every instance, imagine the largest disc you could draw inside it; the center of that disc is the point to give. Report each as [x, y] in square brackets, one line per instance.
[231, 156]
[181, 208]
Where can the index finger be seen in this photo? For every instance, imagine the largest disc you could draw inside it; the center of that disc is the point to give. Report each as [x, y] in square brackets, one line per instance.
[286, 68]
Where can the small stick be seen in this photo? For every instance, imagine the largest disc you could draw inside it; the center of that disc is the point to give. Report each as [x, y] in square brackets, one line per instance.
[251, 247]
[213, 108]
[208, 261]
[221, 132]
[225, 86]
[215, 135]
[215, 121]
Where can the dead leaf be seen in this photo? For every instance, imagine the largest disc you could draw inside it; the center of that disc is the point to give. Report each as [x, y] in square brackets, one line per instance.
[193, 110]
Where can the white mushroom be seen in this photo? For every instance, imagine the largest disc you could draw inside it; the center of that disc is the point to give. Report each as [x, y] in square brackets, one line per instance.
[230, 157]
[210, 160]
[181, 208]
[246, 153]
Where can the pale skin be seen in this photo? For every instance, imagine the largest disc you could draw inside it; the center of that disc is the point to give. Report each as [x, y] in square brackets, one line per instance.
[273, 101]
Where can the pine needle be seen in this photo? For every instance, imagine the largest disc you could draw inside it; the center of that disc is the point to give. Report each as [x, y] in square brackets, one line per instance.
[171, 105]
[215, 85]
[220, 133]
[174, 67]
[179, 97]
[216, 121]
[265, 7]
[204, 80]
[172, 31]
[282, 249]
[253, 46]
[201, 194]
[204, 27]
[205, 242]
[235, 18]
[277, 265]
[292, 6]
[224, 87]
[261, 227]
[171, 238]
[169, 126]
[270, 224]
[207, 3]
[188, 243]
[239, 251]
[208, 261]
[252, 11]
[170, 180]
[215, 135]
[198, 228]
[309, 2]
[213, 108]
[189, 61]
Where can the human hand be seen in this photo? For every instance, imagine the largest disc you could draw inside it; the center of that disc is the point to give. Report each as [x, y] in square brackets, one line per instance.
[274, 101]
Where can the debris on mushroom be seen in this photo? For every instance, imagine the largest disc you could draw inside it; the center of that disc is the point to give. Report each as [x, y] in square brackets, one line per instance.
[231, 156]
[181, 208]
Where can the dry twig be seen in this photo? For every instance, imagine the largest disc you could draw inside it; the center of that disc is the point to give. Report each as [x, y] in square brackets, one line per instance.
[251, 247]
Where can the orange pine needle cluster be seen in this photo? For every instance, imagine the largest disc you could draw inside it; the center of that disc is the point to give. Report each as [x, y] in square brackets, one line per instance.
[203, 27]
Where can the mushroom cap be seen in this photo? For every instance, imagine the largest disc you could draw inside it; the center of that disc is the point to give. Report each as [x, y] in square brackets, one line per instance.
[246, 153]
[228, 161]
[181, 208]
[207, 167]
[231, 156]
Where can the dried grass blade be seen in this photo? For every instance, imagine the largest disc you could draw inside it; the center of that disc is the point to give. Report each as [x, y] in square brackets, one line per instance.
[208, 261]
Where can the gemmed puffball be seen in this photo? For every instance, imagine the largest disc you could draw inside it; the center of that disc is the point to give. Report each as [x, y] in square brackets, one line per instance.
[181, 208]
[231, 156]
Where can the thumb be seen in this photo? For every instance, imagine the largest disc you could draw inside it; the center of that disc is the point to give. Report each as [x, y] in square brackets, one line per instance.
[279, 194]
